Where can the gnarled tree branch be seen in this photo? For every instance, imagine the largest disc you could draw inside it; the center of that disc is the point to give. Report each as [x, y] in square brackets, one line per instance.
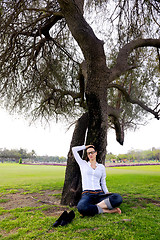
[44, 29]
[114, 114]
[122, 65]
[135, 101]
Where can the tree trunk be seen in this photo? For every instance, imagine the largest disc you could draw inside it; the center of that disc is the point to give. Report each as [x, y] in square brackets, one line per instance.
[97, 124]
[96, 94]
[72, 188]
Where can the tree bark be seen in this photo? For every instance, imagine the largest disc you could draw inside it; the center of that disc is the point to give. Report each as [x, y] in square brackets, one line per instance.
[72, 188]
[95, 91]
[97, 124]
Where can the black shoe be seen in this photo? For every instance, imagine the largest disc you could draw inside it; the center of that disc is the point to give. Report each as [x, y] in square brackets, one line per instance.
[68, 218]
[60, 219]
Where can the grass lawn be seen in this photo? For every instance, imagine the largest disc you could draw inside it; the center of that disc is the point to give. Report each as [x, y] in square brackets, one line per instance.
[138, 185]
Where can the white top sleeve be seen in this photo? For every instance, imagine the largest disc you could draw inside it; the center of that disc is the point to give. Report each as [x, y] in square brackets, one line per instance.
[77, 157]
[103, 180]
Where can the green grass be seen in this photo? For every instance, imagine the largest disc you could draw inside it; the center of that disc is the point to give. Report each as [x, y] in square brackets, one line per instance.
[140, 218]
[31, 177]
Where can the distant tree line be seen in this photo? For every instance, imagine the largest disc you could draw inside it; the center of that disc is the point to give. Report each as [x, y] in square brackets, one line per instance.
[22, 155]
[15, 154]
[47, 159]
[135, 155]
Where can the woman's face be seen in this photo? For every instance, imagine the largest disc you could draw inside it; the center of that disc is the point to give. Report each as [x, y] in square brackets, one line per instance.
[91, 153]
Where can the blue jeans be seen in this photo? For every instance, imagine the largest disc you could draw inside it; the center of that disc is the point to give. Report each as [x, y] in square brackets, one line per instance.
[87, 204]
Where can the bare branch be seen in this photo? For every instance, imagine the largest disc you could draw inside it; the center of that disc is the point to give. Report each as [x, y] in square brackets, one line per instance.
[43, 10]
[73, 94]
[158, 57]
[135, 101]
[48, 25]
[64, 50]
[155, 5]
[122, 65]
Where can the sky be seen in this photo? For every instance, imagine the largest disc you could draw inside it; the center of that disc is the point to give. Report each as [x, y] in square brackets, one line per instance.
[54, 139]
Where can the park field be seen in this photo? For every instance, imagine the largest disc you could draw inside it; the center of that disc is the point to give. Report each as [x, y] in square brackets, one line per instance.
[30, 204]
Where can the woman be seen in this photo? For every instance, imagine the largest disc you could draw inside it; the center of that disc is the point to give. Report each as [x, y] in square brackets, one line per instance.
[95, 196]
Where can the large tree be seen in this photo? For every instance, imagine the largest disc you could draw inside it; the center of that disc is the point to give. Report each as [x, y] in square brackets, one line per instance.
[57, 58]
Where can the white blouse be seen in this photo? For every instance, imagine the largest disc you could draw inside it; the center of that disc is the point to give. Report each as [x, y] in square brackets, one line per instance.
[92, 179]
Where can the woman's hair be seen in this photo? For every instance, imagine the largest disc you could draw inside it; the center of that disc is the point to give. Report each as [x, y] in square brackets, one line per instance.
[91, 147]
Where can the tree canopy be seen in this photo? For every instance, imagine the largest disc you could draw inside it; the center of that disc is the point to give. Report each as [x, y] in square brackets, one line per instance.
[43, 69]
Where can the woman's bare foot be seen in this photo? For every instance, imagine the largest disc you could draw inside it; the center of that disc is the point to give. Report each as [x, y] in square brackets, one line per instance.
[115, 210]
[118, 210]
[106, 210]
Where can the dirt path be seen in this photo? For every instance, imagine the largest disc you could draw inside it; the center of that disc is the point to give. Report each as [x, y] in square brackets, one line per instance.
[21, 199]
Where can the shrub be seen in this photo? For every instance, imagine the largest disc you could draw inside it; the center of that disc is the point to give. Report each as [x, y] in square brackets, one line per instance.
[20, 160]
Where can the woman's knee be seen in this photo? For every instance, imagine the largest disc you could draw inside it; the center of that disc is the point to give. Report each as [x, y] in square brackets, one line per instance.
[115, 200]
[82, 208]
[119, 199]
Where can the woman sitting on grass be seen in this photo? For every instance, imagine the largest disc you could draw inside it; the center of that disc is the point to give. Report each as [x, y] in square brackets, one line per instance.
[95, 196]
